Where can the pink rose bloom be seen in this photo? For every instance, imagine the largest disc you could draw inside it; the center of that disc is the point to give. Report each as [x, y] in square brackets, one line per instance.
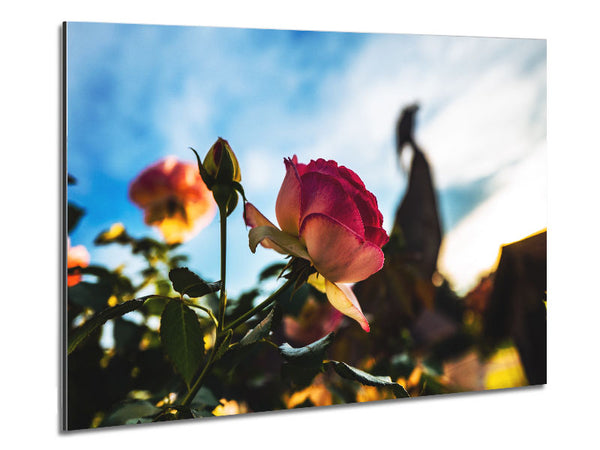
[174, 199]
[77, 256]
[327, 217]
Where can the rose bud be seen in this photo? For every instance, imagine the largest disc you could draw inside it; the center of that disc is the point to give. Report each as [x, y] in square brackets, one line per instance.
[221, 163]
[329, 218]
[174, 199]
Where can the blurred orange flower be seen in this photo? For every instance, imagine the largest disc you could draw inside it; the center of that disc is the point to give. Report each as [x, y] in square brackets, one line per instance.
[317, 393]
[230, 408]
[77, 256]
[372, 394]
[174, 199]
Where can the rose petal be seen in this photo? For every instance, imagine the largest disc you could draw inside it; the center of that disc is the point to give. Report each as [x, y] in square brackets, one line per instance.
[328, 167]
[365, 200]
[254, 218]
[353, 185]
[343, 299]
[337, 252]
[324, 194]
[317, 281]
[287, 207]
[369, 211]
[289, 244]
[301, 168]
[376, 235]
[352, 178]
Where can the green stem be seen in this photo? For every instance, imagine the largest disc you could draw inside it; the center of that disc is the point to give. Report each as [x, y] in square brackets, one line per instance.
[206, 310]
[223, 296]
[198, 383]
[258, 308]
[222, 305]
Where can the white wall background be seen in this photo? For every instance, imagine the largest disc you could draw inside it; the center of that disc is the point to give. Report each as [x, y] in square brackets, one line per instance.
[560, 413]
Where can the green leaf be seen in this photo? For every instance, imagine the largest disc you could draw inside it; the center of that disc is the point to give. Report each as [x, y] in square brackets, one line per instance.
[199, 413]
[90, 295]
[205, 397]
[206, 177]
[74, 215]
[78, 335]
[309, 355]
[238, 187]
[187, 282]
[287, 242]
[303, 364]
[121, 284]
[130, 412]
[115, 234]
[147, 245]
[127, 335]
[182, 338]
[244, 303]
[260, 331]
[271, 271]
[352, 373]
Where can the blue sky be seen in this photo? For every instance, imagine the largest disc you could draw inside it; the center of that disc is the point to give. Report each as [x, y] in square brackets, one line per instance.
[137, 93]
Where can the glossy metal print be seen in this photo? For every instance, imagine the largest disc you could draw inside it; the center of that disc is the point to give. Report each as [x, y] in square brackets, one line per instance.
[262, 220]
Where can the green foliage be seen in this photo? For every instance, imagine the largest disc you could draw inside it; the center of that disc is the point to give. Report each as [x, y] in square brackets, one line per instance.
[182, 338]
[246, 364]
[131, 412]
[188, 283]
[205, 398]
[79, 334]
[74, 215]
[259, 332]
[224, 345]
[127, 335]
[301, 365]
[271, 271]
[352, 373]
[90, 295]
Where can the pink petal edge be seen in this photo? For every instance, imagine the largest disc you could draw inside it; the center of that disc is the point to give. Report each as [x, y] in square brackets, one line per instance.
[287, 206]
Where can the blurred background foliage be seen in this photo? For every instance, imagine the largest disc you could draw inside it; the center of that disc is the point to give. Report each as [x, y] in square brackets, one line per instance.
[423, 336]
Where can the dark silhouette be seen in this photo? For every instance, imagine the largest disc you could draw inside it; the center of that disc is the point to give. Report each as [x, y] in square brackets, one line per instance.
[417, 217]
[516, 306]
[405, 127]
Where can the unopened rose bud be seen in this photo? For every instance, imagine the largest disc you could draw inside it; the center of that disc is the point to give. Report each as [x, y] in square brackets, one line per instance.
[221, 163]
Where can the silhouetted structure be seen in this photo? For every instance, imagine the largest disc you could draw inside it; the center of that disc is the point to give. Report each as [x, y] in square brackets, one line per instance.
[405, 127]
[516, 306]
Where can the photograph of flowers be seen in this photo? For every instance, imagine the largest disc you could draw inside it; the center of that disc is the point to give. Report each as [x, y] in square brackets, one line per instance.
[261, 220]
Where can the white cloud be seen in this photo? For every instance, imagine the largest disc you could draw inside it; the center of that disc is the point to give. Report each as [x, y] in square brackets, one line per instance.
[516, 210]
[482, 109]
